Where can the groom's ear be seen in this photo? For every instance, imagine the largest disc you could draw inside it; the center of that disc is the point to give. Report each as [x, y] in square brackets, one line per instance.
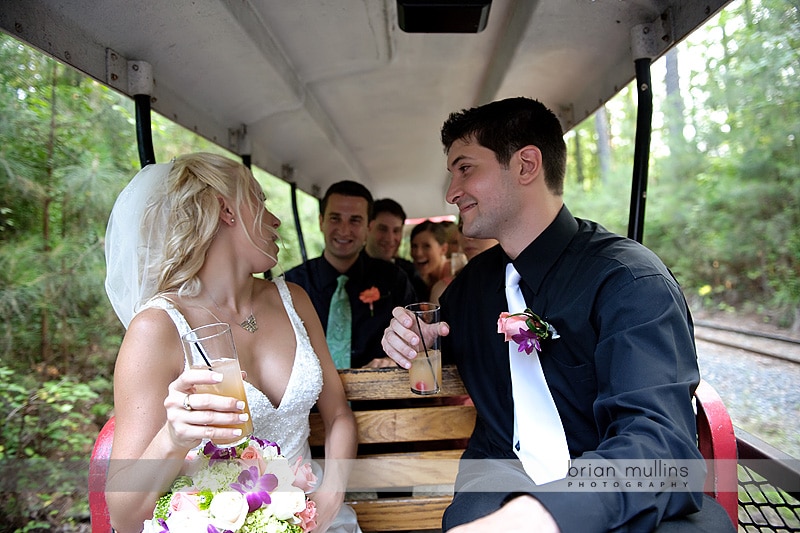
[530, 163]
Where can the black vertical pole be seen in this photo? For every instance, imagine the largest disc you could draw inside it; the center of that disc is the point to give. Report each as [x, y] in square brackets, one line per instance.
[144, 135]
[641, 155]
[296, 213]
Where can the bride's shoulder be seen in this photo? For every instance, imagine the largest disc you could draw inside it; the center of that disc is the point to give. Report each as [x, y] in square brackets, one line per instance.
[149, 334]
[152, 318]
[280, 289]
[301, 302]
[295, 290]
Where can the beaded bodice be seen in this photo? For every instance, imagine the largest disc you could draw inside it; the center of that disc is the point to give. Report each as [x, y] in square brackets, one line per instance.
[288, 423]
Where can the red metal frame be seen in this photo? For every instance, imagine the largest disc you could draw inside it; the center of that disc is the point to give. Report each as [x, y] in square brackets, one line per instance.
[717, 443]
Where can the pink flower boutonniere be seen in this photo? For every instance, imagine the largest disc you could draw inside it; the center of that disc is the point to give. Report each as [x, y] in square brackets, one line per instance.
[526, 329]
[370, 296]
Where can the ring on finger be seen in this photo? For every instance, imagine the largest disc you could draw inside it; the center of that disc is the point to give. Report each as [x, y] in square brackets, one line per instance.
[186, 404]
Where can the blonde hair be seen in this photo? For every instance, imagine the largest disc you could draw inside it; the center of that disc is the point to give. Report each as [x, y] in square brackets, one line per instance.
[189, 211]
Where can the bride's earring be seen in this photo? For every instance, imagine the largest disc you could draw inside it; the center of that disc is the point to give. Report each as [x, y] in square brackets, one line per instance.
[232, 220]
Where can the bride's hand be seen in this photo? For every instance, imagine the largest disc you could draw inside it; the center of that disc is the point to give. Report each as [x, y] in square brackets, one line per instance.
[328, 505]
[193, 416]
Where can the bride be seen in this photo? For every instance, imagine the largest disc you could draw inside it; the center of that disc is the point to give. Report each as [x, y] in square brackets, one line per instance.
[183, 242]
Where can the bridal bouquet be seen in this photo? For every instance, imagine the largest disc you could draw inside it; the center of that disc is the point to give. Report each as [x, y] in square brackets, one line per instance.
[246, 488]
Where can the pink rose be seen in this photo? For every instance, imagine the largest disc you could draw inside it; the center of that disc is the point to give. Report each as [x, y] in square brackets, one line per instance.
[304, 477]
[251, 456]
[184, 501]
[308, 516]
[510, 325]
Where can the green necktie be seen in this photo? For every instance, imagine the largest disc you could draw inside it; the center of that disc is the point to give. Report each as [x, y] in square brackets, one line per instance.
[339, 325]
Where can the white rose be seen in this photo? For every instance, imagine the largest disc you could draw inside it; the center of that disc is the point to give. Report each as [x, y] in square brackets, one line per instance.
[151, 526]
[282, 470]
[228, 510]
[269, 453]
[187, 522]
[285, 503]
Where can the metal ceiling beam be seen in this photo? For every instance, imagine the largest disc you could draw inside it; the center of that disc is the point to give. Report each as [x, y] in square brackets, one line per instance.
[261, 35]
[517, 22]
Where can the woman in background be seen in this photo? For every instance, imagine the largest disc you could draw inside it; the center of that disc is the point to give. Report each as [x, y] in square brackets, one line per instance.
[470, 247]
[429, 253]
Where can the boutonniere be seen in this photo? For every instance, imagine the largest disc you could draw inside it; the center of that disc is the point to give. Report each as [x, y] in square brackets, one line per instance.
[370, 296]
[526, 329]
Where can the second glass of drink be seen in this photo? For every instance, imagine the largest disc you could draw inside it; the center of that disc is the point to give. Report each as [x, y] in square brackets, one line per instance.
[425, 374]
[211, 347]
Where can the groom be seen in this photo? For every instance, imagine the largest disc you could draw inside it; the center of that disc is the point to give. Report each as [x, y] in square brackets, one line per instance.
[618, 379]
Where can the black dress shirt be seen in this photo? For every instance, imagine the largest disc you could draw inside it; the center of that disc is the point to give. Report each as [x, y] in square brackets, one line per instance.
[318, 278]
[622, 373]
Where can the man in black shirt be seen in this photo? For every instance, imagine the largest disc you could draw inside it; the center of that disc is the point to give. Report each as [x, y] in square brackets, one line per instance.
[373, 286]
[384, 234]
[612, 336]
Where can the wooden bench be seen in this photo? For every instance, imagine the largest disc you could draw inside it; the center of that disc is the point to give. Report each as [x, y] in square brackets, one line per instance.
[408, 444]
[442, 430]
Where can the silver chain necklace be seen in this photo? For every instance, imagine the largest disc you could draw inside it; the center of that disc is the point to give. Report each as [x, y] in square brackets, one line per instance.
[249, 324]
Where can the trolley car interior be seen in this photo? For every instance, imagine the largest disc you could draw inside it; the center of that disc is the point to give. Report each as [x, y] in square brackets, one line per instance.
[314, 91]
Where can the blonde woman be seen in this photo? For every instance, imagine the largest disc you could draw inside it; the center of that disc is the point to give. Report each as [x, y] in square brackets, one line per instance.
[183, 242]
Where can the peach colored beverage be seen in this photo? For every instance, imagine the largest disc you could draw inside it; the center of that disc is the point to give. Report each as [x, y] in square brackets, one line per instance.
[231, 385]
[425, 375]
[211, 347]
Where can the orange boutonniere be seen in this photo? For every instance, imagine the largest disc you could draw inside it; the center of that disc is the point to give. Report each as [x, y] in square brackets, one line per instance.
[370, 296]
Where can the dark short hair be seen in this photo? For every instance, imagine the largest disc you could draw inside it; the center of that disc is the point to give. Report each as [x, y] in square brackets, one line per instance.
[387, 205]
[347, 188]
[438, 230]
[506, 126]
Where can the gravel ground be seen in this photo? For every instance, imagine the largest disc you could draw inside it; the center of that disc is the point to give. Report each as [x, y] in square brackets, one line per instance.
[762, 394]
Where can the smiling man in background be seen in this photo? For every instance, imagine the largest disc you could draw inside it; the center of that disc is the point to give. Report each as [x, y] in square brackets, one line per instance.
[352, 292]
[384, 235]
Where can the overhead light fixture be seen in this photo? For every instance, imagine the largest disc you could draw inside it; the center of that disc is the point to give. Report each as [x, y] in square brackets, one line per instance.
[443, 16]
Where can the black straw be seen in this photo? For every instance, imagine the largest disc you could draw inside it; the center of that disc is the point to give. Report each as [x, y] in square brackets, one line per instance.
[202, 353]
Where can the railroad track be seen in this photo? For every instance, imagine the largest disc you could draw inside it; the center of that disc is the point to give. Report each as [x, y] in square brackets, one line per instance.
[763, 343]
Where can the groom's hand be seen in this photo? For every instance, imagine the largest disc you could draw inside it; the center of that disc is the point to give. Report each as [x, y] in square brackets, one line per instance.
[399, 340]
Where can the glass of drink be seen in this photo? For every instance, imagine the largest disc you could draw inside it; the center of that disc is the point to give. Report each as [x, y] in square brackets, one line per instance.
[425, 374]
[211, 347]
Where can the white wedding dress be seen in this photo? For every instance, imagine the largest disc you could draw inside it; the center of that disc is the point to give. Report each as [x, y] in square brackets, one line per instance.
[287, 424]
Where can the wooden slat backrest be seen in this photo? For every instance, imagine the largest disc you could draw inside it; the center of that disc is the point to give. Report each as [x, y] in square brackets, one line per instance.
[443, 425]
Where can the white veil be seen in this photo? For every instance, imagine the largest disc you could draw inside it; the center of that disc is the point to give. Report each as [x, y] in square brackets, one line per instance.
[133, 252]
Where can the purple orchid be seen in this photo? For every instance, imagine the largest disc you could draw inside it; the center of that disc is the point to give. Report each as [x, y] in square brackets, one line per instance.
[266, 443]
[213, 529]
[528, 341]
[163, 524]
[216, 454]
[256, 489]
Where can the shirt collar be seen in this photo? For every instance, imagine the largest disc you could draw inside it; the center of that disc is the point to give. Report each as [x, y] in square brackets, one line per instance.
[538, 258]
[329, 275]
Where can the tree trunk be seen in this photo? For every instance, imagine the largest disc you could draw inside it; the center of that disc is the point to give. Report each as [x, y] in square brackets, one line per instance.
[46, 347]
[603, 143]
[675, 107]
[579, 159]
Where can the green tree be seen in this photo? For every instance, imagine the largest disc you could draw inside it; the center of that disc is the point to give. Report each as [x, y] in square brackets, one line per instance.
[745, 171]
[67, 148]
